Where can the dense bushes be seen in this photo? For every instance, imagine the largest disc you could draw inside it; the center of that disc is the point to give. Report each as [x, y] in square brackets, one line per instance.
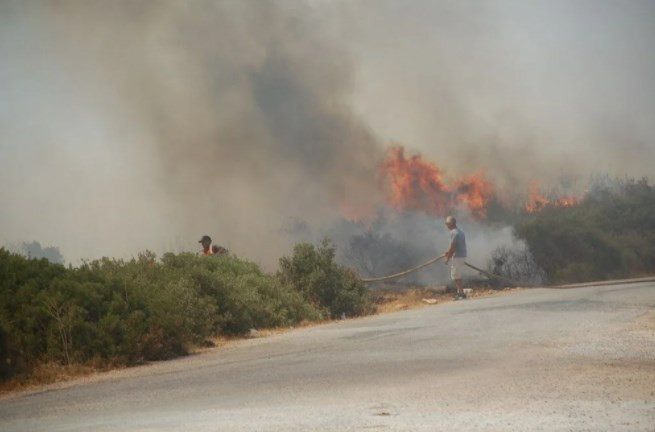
[125, 312]
[610, 234]
[312, 271]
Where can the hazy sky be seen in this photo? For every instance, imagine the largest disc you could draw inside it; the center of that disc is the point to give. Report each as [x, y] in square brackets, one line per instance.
[132, 125]
[550, 87]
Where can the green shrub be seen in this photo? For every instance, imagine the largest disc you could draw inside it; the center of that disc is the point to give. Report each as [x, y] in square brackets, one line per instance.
[126, 312]
[610, 234]
[245, 297]
[335, 289]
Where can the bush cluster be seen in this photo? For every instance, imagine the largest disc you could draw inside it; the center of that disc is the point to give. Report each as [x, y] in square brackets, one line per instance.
[335, 289]
[610, 234]
[124, 312]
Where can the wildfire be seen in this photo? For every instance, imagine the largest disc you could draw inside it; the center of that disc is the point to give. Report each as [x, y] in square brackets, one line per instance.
[474, 191]
[568, 201]
[537, 202]
[416, 184]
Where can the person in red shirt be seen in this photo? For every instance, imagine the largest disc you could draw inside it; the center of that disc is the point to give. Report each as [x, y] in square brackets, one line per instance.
[206, 243]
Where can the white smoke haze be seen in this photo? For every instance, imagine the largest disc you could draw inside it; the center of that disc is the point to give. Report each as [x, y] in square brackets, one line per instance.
[419, 238]
[127, 125]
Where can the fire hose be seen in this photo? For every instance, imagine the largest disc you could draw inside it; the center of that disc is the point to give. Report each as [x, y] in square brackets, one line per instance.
[403, 273]
[432, 261]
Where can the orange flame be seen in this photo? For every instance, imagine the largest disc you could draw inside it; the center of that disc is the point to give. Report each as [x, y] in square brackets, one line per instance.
[416, 184]
[474, 191]
[567, 201]
[537, 202]
[412, 183]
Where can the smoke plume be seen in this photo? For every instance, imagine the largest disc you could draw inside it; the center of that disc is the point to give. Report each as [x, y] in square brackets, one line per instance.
[128, 125]
[161, 121]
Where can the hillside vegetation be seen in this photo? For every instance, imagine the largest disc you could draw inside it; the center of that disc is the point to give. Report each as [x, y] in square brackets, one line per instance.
[113, 312]
[609, 234]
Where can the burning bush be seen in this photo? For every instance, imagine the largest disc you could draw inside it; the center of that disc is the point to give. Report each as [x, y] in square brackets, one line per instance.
[416, 184]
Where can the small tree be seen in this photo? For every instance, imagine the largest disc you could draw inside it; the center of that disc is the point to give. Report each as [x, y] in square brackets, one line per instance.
[63, 314]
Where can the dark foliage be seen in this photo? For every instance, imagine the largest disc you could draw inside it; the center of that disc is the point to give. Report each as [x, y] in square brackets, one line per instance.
[117, 312]
[610, 234]
[313, 271]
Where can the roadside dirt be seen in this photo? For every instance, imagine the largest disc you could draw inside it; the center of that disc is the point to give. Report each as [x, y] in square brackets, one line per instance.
[392, 299]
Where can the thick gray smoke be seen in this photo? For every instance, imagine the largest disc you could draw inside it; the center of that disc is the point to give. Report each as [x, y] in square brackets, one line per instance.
[129, 125]
[151, 123]
[543, 90]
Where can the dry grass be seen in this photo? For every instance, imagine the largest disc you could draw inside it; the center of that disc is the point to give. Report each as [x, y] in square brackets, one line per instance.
[48, 373]
[393, 299]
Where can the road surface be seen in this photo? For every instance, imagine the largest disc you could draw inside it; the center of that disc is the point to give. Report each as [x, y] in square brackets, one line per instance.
[534, 360]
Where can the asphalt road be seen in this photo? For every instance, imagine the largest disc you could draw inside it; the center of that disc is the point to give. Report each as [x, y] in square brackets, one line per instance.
[539, 360]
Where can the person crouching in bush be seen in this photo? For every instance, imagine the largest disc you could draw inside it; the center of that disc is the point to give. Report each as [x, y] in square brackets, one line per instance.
[206, 243]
